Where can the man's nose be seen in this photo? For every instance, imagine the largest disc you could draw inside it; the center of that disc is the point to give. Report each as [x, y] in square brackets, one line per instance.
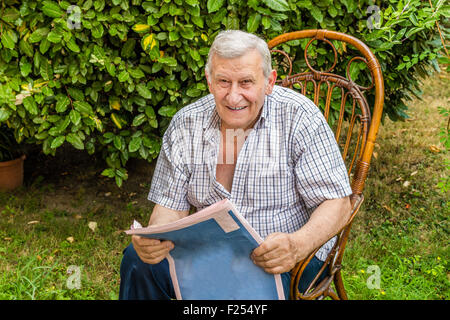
[234, 95]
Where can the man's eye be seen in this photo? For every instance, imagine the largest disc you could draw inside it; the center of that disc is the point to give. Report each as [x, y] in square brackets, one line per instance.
[246, 82]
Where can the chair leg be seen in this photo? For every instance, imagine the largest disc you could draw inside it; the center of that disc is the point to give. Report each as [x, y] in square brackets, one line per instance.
[340, 286]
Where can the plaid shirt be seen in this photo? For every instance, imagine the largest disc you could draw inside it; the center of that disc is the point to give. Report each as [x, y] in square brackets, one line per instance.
[288, 165]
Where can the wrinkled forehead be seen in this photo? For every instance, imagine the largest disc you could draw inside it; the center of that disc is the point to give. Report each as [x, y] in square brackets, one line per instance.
[250, 62]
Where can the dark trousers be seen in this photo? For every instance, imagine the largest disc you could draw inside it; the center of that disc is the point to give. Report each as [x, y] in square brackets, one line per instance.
[142, 281]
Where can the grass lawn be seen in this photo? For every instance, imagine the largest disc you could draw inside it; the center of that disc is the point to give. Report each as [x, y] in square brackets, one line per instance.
[66, 223]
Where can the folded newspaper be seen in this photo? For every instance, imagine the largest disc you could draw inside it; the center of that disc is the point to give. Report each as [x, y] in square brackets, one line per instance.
[211, 257]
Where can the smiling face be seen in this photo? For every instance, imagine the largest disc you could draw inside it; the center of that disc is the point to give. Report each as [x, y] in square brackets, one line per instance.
[239, 88]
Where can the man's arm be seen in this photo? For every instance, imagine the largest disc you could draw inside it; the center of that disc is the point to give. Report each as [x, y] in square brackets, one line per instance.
[280, 252]
[152, 251]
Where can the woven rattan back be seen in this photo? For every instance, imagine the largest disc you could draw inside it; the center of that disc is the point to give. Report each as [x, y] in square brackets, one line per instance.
[343, 101]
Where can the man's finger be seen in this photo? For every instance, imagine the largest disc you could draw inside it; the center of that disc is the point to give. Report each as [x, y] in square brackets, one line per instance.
[143, 241]
[265, 248]
[267, 256]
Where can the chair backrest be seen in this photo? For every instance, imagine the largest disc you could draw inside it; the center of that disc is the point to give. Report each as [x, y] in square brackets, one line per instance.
[343, 101]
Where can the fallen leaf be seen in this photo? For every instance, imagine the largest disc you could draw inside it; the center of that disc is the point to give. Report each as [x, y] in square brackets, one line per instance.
[33, 222]
[413, 173]
[406, 184]
[70, 239]
[107, 194]
[375, 155]
[7, 239]
[434, 149]
[387, 208]
[92, 225]
[407, 206]
[399, 179]
[78, 216]
[39, 257]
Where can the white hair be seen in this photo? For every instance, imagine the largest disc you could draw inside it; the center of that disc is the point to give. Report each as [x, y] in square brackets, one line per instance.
[230, 44]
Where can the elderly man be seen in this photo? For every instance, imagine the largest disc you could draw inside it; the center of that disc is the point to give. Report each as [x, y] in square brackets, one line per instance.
[266, 148]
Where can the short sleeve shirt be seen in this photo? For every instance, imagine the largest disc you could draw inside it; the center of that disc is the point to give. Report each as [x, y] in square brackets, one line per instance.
[288, 165]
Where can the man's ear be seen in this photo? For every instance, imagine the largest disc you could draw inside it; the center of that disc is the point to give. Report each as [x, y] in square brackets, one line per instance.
[271, 81]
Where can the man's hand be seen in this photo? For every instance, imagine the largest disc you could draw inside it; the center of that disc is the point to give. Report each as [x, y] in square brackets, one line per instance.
[277, 254]
[151, 251]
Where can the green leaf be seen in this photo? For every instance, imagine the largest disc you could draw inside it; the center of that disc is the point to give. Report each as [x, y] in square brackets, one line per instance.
[75, 140]
[135, 144]
[108, 173]
[277, 5]
[144, 91]
[52, 9]
[30, 105]
[10, 15]
[138, 120]
[171, 62]
[4, 114]
[75, 117]
[26, 48]
[123, 76]
[75, 93]
[97, 31]
[253, 22]
[58, 141]
[54, 36]
[167, 111]
[128, 48]
[119, 181]
[38, 35]
[193, 92]
[72, 45]
[150, 112]
[214, 5]
[62, 103]
[316, 13]
[8, 37]
[46, 70]
[187, 33]
[154, 123]
[117, 141]
[136, 73]
[83, 107]
[44, 45]
[25, 67]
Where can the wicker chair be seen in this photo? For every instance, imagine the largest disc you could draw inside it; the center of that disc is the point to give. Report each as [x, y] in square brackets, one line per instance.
[355, 128]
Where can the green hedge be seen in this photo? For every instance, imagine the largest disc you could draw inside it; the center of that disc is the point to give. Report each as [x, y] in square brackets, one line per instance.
[107, 75]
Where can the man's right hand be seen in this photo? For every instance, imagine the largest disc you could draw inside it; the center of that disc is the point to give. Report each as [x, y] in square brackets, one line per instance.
[151, 251]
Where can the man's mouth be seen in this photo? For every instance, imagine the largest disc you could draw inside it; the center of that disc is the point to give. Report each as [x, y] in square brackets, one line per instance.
[236, 108]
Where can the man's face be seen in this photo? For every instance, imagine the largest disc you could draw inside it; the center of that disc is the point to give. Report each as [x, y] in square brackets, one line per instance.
[239, 88]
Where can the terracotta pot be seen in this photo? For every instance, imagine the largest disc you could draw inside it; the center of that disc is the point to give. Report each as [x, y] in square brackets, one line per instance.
[11, 174]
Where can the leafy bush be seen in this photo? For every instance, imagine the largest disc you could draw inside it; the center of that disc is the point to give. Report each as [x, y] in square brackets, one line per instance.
[9, 148]
[107, 75]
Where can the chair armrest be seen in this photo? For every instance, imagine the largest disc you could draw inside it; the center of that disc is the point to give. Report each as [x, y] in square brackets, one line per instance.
[333, 260]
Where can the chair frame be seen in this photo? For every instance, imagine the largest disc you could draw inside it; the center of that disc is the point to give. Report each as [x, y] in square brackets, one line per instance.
[370, 122]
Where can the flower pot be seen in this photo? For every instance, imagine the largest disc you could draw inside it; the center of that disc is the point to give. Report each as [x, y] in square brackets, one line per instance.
[11, 174]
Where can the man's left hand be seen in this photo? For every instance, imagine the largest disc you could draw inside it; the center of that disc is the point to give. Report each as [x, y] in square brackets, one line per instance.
[277, 254]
